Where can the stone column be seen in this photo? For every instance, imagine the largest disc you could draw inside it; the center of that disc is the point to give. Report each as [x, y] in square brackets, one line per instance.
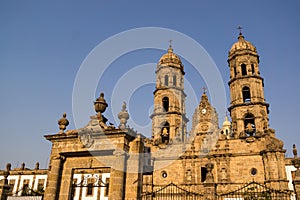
[53, 181]
[117, 176]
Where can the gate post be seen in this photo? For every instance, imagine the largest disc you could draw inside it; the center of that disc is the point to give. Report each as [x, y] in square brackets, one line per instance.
[209, 185]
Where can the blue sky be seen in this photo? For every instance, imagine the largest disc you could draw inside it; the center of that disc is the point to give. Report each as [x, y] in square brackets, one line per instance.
[43, 44]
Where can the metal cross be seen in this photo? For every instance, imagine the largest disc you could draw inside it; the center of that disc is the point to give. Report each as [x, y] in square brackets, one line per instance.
[170, 41]
[204, 90]
[240, 29]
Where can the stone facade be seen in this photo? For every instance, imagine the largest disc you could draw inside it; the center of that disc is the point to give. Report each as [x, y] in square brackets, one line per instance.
[100, 161]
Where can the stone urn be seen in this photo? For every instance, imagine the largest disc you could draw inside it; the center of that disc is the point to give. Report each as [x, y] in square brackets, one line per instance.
[100, 104]
[63, 122]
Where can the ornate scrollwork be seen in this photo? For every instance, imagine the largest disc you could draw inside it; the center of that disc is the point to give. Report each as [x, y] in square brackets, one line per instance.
[97, 181]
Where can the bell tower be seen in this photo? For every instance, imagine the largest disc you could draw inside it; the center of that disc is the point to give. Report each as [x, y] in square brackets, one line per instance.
[248, 108]
[169, 116]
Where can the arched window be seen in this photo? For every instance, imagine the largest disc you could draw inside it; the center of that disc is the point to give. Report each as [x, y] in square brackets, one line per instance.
[165, 133]
[252, 68]
[234, 70]
[246, 94]
[249, 124]
[165, 102]
[174, 80]
[166, 80]
[244, 69]
[203, 174]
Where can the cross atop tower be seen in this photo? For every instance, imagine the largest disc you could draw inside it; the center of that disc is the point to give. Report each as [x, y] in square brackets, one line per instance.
[170, 45]
[204, 90]
[170, 49]
[240, 29]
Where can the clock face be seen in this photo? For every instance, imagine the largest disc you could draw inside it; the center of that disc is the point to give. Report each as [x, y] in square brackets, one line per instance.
[203, 111]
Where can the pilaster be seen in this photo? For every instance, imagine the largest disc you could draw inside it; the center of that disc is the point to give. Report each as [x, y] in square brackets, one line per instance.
[117, 176]
[54, 177]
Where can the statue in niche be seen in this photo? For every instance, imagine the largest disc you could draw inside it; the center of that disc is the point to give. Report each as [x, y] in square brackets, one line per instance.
[189, 175]
[249, 128]
[223, 174]
[165, 132]
[165, 135]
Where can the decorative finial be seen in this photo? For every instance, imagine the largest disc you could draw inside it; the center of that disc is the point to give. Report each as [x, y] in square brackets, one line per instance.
[37, 165]
[123, 116]
[8, 167]
[295, 152]
[63, 123]
[100, 107]
[23, 166]
[170, 49]
[100, 104]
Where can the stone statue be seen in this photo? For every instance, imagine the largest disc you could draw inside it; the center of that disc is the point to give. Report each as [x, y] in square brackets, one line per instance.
[249, 128]
[223, 174]
[165, 132]
[295, 151]
[209, 177]
[189, 175]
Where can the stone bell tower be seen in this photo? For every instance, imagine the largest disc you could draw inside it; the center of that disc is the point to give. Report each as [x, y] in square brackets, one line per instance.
[168, 118]
[248, 108]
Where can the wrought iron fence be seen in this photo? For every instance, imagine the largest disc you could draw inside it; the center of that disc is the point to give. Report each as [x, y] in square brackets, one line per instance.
[256, 191]
[250, 191]
[171, 192]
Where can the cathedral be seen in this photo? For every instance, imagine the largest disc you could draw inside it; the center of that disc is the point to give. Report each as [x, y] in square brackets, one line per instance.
[241, 160]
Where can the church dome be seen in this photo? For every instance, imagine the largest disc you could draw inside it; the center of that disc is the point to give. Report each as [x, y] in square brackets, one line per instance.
[170, 59]
[242, 45]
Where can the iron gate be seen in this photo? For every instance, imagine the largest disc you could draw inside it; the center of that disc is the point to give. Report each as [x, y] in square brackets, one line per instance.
[171, 192]
[256, 191]
[89, 185]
